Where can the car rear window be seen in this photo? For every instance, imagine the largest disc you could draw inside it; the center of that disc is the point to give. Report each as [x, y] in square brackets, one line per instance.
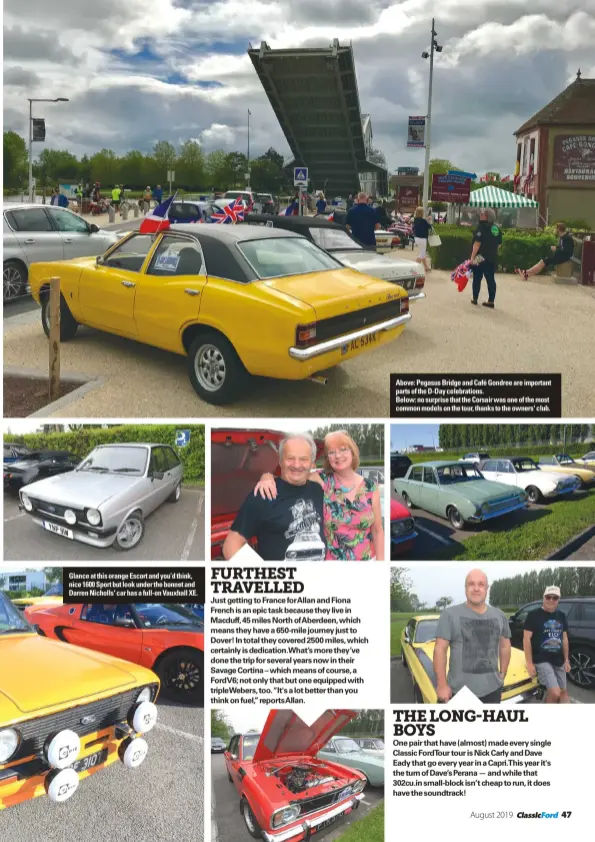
[332, 238]
[276, 257]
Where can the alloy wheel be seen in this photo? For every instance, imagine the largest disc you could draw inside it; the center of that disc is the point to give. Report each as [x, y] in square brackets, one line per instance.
[209, 367]
[130, 533]
[582, 668]
[183, 676]
[12, 282]
[249, 819]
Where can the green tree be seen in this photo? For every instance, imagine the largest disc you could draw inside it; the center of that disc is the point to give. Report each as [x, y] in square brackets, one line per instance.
[190, 165]
[133, 170]
[400, 589]
[104, 168]
[443, 602]
[220, 725]
[163, 159]
[439, 166]
[216, 169]
[16, 161]
[53, 574]
[52, 165]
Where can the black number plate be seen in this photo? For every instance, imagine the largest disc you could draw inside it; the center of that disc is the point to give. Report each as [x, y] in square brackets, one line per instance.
[90, 761]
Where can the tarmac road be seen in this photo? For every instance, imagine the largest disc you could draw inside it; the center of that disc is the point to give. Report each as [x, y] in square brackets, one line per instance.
[161, 800]
[174, 532]
[435, 535]
[401, 687]
[445, 334]
[228, 824]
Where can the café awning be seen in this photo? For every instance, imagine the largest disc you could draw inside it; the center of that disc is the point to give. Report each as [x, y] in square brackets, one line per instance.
[495, 197]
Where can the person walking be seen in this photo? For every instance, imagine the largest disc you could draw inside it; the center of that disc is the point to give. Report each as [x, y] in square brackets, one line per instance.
[487, 239]
[421, 232]
[546, 647]
[116, 193]
[58, 198]
[560, 253]
[320, 204]
[362, 221]
[350, 201]
[147, 198]
[158, 194]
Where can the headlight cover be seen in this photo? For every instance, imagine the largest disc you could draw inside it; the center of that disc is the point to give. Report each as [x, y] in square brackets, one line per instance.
[285, 816]
[93, 517]
[9, 742]
[70, 517]
[27, 502]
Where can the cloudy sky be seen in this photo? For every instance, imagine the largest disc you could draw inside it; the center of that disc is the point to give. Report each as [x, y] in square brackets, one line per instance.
[137, 71]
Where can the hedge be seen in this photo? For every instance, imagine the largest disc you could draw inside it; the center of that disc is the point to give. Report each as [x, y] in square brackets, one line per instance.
[519, 248]
[82, 442]
[532, 450]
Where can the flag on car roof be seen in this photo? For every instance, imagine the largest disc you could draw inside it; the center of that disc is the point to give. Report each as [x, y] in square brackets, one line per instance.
[231, 213]
[158, 218]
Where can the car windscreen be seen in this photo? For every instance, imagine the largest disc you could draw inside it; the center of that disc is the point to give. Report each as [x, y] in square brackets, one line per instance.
[116, 460]
[155, 614]
[249, 746]
[565, 459]
[426, 631]
[344, 745]
[521, 465]
[450, 474]
[333, 238]
[277, 257]
[11, 619]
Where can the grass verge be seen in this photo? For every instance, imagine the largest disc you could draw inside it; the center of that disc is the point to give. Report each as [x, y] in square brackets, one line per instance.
[370, 829]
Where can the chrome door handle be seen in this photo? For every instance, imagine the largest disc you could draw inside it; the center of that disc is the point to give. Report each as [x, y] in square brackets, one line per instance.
[29, 242]
[128, 283]
[69, 241]
[192, 291]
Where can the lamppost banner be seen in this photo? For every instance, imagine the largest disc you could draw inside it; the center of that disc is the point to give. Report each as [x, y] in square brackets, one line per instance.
[416, 132]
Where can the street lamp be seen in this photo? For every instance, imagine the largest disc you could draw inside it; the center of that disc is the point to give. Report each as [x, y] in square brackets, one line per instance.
[437, 48]
[31, 101]
[248, 155]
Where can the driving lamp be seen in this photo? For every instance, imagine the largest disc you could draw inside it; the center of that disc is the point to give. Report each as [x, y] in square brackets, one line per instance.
[9, 742]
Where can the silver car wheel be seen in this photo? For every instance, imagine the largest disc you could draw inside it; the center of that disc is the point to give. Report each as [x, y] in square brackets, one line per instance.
[178, 491]
[13, 282]
[209, 367]
[248, 818]
[130, 532]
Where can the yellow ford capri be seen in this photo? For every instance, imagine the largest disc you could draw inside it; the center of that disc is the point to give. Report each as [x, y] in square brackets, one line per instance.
[417, 654]
[66, 713]
[237, 300]
[562, 463]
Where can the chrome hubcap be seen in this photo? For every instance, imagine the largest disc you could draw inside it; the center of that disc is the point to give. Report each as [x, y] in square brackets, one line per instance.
[12, 282]
[248, 818]
[130, 533]
[582, 669]
[185, 676]
[209, 367]
[178, 492]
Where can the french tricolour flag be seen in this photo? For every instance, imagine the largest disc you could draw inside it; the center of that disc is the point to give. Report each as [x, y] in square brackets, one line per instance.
[158, 218]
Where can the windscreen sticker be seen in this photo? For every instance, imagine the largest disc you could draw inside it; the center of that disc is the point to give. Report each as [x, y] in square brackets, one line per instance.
[167, 262]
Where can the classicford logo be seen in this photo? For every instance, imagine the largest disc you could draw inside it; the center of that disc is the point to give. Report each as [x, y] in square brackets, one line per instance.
[88, 720]
[51, 509]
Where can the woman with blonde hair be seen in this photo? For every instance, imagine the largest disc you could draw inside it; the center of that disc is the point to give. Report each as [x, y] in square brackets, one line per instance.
[421, 232]
[353, 528]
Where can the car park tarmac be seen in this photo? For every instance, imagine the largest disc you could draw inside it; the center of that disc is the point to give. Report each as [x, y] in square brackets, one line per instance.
[162, 799]
[175, 532]
[538, 327]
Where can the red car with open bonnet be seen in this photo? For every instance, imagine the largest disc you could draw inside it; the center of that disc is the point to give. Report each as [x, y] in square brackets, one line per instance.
[402, 528]
[286, 793]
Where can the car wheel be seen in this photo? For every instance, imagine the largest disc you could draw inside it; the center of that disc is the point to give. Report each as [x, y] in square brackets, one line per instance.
[68, 324]
[229, 777]
[456, 518]
[216, 372]
[407, 500]
[176, 494]
[130, 532]
[582, 667]
[403, 659]
[252, 825]
[182, 675]
[533, 494]
[15, 278]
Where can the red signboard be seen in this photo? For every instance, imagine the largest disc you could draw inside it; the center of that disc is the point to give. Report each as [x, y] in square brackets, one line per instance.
[574, 158]
[408, 197]
[451, 188]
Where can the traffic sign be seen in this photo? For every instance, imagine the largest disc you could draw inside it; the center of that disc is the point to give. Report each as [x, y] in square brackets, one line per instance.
[182, 438]
[300, 176]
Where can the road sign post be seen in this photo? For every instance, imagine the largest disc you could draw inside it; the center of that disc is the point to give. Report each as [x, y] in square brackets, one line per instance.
[300, 179]
[182, 438]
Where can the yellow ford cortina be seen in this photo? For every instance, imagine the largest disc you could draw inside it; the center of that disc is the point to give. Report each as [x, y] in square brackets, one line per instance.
[65, 712]
[237, 300]
[562, 463]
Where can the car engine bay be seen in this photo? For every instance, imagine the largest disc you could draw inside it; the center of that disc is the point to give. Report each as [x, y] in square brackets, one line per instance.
[300, 778]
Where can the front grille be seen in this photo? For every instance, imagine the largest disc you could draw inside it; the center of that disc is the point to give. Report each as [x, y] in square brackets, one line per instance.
[526, 683]
[107, 712]
[54, 509]
[338, 325]
[402, 527]
[312, 805]
[503, 504]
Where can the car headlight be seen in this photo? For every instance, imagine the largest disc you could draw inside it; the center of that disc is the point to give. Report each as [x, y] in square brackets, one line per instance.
[358, 787]
[27, 502]
[285, 815]
[93, 517]
[485, 507]
[9, 742]
[70, 517]
[145, 695]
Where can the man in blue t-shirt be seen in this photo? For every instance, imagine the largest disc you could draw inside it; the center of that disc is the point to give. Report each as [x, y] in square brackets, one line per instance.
[362, 221]
[546, 646]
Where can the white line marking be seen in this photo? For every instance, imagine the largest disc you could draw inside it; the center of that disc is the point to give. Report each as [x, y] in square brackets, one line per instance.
[14, 517]
[192, 533]
[194, 737]
[433, 534]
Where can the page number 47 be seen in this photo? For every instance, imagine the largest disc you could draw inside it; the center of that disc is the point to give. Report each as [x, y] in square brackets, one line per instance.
[566, 814]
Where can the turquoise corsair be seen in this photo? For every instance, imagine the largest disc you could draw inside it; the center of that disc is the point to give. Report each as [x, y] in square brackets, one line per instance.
[347, 752]
[457, 491]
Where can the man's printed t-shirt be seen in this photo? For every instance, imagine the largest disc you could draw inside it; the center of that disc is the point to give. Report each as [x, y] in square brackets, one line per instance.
[548, 630]
[489, 238]
[288, 528]
[474, 647]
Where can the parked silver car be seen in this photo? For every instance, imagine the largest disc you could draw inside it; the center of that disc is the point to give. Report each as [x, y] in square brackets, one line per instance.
[33, 233]
[106, 499]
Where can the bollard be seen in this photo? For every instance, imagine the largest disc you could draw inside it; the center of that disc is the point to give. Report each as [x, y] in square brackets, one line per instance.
[135, 209]
[54, 361]
[111, 214]
[125, 212]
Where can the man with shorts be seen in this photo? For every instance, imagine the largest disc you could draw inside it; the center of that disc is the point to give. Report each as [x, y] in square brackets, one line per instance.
[545, 643]
[560, 253]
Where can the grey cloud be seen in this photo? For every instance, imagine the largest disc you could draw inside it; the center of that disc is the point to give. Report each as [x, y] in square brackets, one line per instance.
[33, 46]
[340, 12]
[20, 78]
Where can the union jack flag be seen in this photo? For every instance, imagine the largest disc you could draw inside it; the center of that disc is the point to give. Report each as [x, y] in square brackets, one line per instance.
[233, 213]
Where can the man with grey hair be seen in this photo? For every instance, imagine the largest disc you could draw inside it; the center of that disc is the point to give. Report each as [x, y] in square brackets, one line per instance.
[362, 221]
[487, 239]
[290, 527]
[478, 636]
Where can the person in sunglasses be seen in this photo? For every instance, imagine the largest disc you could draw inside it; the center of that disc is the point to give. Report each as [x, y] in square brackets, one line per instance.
[545, 643]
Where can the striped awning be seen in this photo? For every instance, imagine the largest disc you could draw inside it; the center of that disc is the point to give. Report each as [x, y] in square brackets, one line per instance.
[495, 197]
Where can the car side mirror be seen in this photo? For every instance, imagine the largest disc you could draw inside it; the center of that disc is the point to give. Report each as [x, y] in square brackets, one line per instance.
[124, 622]
[407, 637]
[93, 228]
[99, 259]
[157, 475]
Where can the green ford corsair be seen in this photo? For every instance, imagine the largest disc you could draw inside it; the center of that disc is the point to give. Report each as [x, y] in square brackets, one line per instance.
[457, 491]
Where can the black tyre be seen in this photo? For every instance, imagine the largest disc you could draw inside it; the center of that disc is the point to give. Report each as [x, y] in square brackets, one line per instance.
[130, 533]
[215, 370]
[176, 494]
[403, 659]
[230, 779]
[15, 279]
[252, 825]
[417, 696]
[407, 500]
[533, 494]
[456, 518]
[68, 324]
[582, 667]
[182, 676]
